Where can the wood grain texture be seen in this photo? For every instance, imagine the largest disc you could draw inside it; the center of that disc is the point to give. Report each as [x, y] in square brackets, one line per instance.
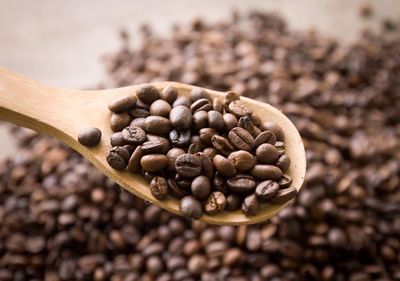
[63, 113]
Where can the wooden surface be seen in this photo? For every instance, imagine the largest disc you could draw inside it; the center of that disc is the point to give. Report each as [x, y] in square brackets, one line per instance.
[63, 113]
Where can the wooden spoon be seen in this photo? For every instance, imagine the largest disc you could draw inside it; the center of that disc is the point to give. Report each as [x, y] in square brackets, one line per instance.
[64, 113]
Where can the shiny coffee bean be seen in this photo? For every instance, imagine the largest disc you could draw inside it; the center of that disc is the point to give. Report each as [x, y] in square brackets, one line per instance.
[138, 112]
[241, 139]
[148, 94]
[200, 120]
[222, 145]
[199, 93]
[224, 166]
[160, 108]
[155, 146]
[188, 165]
[215, 203]
[201, 187]
[216, 121]
[267, 189]
[233, 202]
[206, 134]
[207, 166]
[119, 121]
[242, 184]
[250, 205]
[201, 105]
[153, 162]
[169, 94]
[283, 196]
[210, 152]
[180, 138]
[194, 148]
[285, 181]
[117, 139]
[190, 207]
[172, 154]
[266, 172]
[275, 128]
[89, 137]
[157, 125]
[265, 137]
[118, 158]
[134, 161]
[181, 117]
[267, 153]
[283, 162]
[159, 188]
[243, 160]
[134, 135]
[138, 122]
[122, 103]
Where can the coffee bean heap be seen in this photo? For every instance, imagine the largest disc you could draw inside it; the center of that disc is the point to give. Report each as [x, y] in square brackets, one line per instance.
[211, 154]
[61, 219]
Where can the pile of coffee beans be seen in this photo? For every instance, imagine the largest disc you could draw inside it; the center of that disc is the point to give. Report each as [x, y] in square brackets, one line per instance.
[61, 219]
[212, 154]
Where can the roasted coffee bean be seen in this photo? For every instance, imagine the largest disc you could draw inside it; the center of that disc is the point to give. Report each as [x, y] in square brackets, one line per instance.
[267, 153]
[134, 161]
[267, 189]
[283, 162]
[222, 145]
[117, 139]
[138, 122]
[148, 94]
[130, 147]
[153, 162]
[199, 93]
[246, 123]
[281, 147]
[119, 121]
[194, 148]
[134, 135]
[266, 172]
[201, 187]
[169, 94]
[201, 105]
[230, 97]
[89, 137]
[256, 120]
[200, 120]
[210, 152]
[181, 117]
[122, 103]
[242, 160]
[216, 121]
[224, 166]
[283, 196]
[242, 184]
[118, 158]
[180, 138]
[172, 154]
[182, 182]
[157, 125]
[155, 146]
[160, 108]
[265, 137]
[219, 183]
[230, 121]
[239, 108]
[241, 139]
[159, 188]
[275, 128]
[137, 112]
[285, 181]
[233, 202]
[185, 101]
[250, 205]
[190, 207]
[207, 166]
[206, 134]
[188, 165]
[218, 105]
[215, 203]
[175, 190]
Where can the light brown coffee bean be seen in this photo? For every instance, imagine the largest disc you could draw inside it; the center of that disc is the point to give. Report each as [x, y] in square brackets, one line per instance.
[118, 121]
[206, 135]
[188, 165]
[154, 162]
[185, 101]
[218, 105]
[230, 97]
[239, 108]
[157, 125]
[242, 160]
[283, 162]
[172, 154]
[155, 146]
[230, 121]
[122, 103]
[267, 153]
[222, 145]
[241, 139]
[138, 122]
[148, 94]
[224, 166]
[169, 94]
[160, 108]
[210, 152]
[266, 172]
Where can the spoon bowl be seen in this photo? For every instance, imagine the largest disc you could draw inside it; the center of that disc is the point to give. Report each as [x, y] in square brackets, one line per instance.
[64, 113]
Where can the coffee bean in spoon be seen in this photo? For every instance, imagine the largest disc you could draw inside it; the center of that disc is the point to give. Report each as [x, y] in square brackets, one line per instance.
[89, 137]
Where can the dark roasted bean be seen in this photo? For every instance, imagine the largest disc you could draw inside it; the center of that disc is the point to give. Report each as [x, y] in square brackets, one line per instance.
[190, 207]
[160, 108]
[265, 137]
[267, 189]
[242, 184]
[285, 181]
[241, 139]
[215, 203]
[118, 157]
[180, 138]
[172, 154]
[267, 153]
[266, 172]
[250, 205]
[134, 135]
[210, 152]
[246, 123]
[200, 120]
[224, 166]
[117, 139]
[283, 162]
[216, 121]
[157, 125]
[159, 188]
[118, 121]
[139, 112]
[175, 190]
[169, 94]
[181, 117]
[122, 103]
[207, 166]
[233, 202]
[155, 146]
[148, 94]
[134, 161]
[201, 187]
[188, 165]
[230, 121]
[199, 93]
[201, 105]
[182, 182]
[89, 137]
[283, 195]
[242, 160]
[219, 183]
[222, 145]
[275, 128]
